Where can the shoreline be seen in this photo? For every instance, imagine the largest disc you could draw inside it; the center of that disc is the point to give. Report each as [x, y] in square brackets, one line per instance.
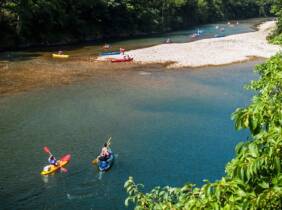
[28, 73]
[210, 52]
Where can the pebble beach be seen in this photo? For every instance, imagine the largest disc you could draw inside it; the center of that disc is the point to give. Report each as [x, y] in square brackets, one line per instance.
[209, 52]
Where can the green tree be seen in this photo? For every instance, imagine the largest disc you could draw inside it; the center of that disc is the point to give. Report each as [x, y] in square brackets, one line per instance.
[27, 22]
[276, 36]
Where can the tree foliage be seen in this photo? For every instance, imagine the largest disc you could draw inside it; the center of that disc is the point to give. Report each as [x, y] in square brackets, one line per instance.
[62, 21]
[253, 178]
[276, 36]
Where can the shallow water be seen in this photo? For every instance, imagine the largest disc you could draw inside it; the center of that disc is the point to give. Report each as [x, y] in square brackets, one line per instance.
[167, 128]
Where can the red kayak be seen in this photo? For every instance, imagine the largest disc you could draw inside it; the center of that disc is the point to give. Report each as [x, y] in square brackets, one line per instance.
[121, 60]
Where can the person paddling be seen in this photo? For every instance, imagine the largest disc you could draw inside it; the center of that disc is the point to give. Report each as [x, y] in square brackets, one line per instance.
[52, 160]
[105, 153]
[122, 50]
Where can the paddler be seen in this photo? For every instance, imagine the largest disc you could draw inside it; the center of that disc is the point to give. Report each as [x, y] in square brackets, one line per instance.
[52, 160]
[122, 50]
[105, 153]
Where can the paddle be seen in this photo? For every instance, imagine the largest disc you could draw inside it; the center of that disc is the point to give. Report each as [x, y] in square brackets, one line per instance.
[97, 159]
[46, 149]
[109, 141]
[63, 169]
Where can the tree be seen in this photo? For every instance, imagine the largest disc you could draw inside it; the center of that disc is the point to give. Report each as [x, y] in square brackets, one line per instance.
[28, 22]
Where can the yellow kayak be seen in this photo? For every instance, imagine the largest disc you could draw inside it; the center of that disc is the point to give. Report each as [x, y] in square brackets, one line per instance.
[51, 168]
[54, 55]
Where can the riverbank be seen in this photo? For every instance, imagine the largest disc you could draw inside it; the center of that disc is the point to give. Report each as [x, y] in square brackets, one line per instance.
[211, 52]
[22, 71]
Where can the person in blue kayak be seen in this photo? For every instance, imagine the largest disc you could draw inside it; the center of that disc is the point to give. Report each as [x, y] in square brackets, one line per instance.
[105, 153]
[52, 160]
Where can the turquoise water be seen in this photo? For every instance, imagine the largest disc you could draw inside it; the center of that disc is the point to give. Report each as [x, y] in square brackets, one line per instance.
[167, 128]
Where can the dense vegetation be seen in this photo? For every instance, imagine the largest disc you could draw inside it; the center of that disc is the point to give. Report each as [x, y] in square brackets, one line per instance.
[253, 178]
[26, 22]
[276, 37]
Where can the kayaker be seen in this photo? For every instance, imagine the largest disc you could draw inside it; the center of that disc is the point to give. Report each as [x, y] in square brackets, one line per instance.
[122, 50]
[52, 160]
[106, 46]
[105, 154]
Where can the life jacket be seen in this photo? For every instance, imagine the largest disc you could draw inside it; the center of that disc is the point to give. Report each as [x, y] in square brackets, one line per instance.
[52, 161]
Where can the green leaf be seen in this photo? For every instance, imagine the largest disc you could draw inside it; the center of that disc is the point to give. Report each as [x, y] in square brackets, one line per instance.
[277, 164]
[264, 185]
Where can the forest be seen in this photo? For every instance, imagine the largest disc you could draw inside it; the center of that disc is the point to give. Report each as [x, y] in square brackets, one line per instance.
[26, 23]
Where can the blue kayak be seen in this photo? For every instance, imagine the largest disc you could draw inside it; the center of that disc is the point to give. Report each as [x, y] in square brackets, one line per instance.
[105, 165]
[109, 53]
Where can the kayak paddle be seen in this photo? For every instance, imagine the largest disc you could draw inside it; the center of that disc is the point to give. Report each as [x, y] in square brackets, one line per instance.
[95, 161]
[63, 169]
[109, 141]
[46, 149]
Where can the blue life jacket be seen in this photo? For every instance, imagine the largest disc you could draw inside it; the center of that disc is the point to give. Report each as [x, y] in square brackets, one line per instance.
[52, 161]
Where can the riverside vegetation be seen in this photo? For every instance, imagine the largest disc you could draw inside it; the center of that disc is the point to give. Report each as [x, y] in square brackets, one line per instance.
[47, 22]
[253, 179]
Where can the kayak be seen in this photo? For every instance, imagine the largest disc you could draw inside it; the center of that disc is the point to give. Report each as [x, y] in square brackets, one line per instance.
[109, 53]
[105, 165]
[51, 168]
[54, 55]
[121, 60]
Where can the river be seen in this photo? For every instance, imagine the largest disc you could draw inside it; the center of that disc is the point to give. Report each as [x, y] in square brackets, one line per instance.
[168, 127]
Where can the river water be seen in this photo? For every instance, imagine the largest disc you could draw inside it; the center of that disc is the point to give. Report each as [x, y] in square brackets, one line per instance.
[167, 128]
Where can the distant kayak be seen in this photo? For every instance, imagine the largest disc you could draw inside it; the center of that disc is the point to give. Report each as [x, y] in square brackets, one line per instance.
[51, 168]
[54, 55]
[109, 53]
[121, 60]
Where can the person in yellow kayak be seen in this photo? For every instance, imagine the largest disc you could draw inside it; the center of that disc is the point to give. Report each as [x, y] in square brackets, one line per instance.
[105, 153]
[52, 160]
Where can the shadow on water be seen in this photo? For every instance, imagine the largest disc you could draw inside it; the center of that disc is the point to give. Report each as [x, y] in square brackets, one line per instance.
[18, 56]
